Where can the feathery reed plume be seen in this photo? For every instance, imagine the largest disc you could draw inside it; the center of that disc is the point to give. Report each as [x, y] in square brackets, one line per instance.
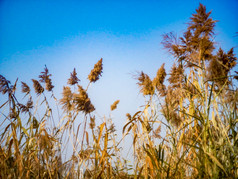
[145, 84]
[96, 71]
[44, 75]
[73, 78]
[220, 66]
[48, 85]
[114, 105]
[25, 88]
[45, 78]
[37, 86]
[82, 101]
[67, 98]
[158, 81]
[4, 85]
[176, 75]
[171, 43]
[201, 23]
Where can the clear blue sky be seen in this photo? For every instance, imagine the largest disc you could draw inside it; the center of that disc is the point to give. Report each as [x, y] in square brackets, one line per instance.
[126, 34]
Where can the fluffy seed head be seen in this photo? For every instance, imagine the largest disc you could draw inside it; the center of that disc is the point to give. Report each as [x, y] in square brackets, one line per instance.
[176, 75]
[96, 71]
[145, 84]
[45, 78]
[82, 101]
[159, 80]
[25, 88]
[67, 98]
[73, 78]
[37, 86]
[4, 85]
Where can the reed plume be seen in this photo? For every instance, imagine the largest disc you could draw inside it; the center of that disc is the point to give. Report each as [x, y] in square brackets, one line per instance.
[73, 78]
[114, 105]
[82, 101]
[67, 98]
[96, 71]
[37, 86]
[4, 85]
[145, 84]
[45, 78]
[176, 75]
[158, 81]
[25, 88]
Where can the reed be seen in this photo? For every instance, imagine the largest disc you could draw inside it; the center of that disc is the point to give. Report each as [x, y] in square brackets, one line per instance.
[187, 127]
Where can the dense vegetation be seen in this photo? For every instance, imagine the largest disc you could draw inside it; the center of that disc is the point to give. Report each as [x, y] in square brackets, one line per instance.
[196, 109]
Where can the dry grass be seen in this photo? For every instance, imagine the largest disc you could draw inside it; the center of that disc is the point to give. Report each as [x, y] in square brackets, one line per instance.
[197, 112]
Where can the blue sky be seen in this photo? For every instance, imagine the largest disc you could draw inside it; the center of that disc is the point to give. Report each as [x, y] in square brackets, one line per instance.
[126, 34]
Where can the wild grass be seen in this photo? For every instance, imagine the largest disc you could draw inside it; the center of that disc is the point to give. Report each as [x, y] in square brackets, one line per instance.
[196, 110]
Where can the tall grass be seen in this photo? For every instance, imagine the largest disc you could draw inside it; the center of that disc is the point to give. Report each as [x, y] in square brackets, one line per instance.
[186, 129]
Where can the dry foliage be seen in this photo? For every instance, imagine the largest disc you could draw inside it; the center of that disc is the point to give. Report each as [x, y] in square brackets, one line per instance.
[186, 129]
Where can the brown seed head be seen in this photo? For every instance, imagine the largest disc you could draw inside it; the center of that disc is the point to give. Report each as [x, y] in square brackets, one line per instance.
[37, 86]
[73, 78]
[48, 85]
[45, 78]
[25, 88]
[82, 101]
[128, 116]
[159, 80]
[145, 84]
[4, 85]
[114, 105]
[96, 71]
[66, 101]
[176, 75]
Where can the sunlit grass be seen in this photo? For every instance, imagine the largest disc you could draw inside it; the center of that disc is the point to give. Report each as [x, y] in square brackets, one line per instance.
[196, 110]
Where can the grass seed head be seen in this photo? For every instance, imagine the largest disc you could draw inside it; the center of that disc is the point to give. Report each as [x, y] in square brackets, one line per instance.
[73, 78]
[25, 88]
[145, 84]
[158, 81]
[176, 75]
[67, 98]
[128, 116]
[45, 78]
[114, 105]
[37, 86]
[96, 71]
[4, 85]
[82, 101]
